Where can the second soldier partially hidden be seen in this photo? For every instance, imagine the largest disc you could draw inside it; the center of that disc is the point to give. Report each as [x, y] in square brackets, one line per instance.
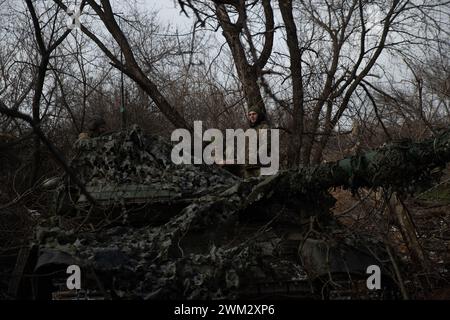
[96, 128]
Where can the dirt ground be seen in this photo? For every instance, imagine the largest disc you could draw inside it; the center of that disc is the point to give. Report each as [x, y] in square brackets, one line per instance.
[430, 213]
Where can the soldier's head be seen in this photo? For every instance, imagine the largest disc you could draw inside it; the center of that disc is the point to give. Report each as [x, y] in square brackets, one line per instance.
[97, 126]
[255, 115]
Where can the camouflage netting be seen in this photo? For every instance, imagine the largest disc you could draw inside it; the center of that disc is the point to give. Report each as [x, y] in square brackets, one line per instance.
[201, 253]
[130, 157]
[230, 233]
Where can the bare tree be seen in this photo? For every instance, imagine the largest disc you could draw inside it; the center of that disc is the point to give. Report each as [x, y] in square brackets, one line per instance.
[129, 66]
[332, 46]
[45, 50]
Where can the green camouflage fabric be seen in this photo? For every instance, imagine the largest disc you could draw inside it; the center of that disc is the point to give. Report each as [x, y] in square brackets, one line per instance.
[234, 238]
[129, 165]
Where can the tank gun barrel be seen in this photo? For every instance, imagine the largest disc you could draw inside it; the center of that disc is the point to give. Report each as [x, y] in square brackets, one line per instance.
[397, 165]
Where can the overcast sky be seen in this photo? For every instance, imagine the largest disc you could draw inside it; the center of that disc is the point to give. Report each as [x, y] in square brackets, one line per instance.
[169, 11]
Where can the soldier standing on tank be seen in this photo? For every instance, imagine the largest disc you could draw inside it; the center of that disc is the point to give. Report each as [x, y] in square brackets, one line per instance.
[257, 120]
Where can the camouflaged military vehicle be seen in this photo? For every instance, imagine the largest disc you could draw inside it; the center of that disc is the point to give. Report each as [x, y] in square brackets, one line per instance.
[163, 231]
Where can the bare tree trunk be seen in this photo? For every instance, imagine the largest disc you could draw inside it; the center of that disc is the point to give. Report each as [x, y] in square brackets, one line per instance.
[130, 67]
[248, 73]
[36, 117]
[45, 52]
[408, 230]
[297, 83]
